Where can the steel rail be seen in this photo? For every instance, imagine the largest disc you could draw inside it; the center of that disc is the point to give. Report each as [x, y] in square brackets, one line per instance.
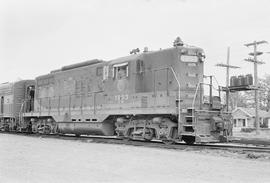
[155, 144]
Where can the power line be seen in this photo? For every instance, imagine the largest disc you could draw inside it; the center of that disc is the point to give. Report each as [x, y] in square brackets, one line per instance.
[225, 65]
[255, 53]
[228, 67]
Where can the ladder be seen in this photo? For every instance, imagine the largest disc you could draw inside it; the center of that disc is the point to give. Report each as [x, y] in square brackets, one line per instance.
[190, 120]
[189, 125]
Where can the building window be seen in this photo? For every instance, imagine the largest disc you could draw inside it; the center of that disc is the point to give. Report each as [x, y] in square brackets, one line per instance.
[234, 123]
[244, 123]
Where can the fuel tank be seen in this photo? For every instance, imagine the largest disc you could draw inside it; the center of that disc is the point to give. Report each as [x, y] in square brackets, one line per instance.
[241, 80]
[249, 79]
[86, 128]
[233, 81]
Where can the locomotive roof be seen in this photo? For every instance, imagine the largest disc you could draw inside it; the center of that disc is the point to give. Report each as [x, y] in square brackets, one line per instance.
[139, 55]
[125, 58]
[120, 59]
[5, 84]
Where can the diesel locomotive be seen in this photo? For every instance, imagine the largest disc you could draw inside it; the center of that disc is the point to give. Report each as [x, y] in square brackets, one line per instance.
[149, 95]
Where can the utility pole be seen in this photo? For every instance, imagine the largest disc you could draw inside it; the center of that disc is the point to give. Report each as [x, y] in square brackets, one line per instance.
[227, 66]
[255, 53]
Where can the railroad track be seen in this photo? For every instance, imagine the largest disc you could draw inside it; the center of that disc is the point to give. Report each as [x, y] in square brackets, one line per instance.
[234, 147]
[150, 144]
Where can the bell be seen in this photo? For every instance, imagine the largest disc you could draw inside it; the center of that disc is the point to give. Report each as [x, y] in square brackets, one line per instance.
[178, 42]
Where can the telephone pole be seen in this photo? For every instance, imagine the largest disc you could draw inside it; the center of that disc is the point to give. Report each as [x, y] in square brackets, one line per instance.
[255, 53]
[227, 66]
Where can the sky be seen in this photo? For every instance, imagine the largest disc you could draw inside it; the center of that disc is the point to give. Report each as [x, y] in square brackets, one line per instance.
[39, 36]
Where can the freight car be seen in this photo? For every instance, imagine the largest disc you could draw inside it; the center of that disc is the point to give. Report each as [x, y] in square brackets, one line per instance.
[149, 95]
[13, 96]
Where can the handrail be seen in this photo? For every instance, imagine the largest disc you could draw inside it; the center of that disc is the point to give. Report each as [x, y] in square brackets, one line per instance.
[193, 105]
[21, 112]
[179, 95]
[195, 95]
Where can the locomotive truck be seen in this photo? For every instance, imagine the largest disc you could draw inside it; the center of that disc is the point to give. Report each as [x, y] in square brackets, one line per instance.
[149, 95]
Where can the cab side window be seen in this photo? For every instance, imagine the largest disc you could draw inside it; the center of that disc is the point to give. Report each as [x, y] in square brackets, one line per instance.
[120, 71]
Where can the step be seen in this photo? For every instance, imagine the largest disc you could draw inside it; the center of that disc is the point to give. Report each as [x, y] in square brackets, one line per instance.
[188, 125]
[190, 110]
[190, 116]
[190, 119]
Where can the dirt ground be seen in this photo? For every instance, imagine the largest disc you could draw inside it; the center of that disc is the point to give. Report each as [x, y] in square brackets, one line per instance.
[252, 135]
[33, 160]
[262, 138]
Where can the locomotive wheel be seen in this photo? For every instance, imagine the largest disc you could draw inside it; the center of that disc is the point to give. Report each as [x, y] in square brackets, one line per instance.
[47, 129]
[149, 135]
[189, 139]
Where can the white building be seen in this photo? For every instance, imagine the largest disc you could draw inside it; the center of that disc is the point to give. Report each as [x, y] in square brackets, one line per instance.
[245, 118]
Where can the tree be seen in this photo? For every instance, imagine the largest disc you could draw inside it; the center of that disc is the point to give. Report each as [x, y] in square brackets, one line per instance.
[238, 99]
[264, 93]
